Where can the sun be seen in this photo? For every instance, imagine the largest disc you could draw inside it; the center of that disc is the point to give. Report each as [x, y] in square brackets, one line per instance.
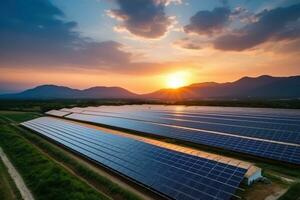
[176, 80]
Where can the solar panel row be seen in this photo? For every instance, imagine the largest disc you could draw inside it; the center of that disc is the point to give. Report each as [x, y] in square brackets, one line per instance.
[278, 129]
[252, 145]
[270, 124]
[264, 123]
[244, 130]
[241, 112]
[270, 119]
[228, 111]
[173, 174]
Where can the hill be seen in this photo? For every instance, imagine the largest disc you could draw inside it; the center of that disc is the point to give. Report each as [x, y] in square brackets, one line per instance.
[61, 92]
[262, 87]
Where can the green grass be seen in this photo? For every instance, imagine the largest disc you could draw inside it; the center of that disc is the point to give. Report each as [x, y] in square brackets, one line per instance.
[18, 116]
[45, 178]
[293, 193]
[280, 169]
[8, 189]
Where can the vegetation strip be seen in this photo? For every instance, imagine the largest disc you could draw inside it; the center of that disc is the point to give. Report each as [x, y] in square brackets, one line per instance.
[25, 192]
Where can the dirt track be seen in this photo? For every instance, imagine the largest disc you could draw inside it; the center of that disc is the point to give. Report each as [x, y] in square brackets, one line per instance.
[25, 192]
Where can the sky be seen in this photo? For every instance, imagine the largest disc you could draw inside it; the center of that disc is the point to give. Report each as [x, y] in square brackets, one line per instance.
[145, 45]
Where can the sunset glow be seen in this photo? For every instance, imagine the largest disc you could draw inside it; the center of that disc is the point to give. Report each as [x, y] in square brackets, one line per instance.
[176, 80]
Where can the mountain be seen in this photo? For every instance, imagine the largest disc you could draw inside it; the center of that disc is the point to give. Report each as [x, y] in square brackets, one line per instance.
[262, 87]
[61, 92]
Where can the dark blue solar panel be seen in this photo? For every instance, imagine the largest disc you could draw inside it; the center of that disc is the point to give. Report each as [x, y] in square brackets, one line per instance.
[267, 149]
[174, 174]
[235, 120]
[252, 113]
[237, 116]
[244, 129]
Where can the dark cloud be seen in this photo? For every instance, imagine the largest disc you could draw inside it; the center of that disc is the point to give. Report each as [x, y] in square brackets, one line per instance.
[145, 18]
[33, 33]
[208, 22]
[33, 27]
[276, 24]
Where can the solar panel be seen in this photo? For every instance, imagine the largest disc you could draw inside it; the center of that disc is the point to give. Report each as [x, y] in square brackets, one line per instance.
[57, 113]
[275, 119]
[256, 146]
[229, 111]
[276, 133]
[173, 174]
[282, 114]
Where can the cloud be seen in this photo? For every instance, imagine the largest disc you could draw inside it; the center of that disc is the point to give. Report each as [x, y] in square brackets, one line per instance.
[187, 43]
[287, 48]
[276, 24]
[207, 22]
[144, 18]
[35, 34]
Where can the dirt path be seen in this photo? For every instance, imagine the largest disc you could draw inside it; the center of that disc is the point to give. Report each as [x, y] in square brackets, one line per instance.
[25, 192]
[276, 195]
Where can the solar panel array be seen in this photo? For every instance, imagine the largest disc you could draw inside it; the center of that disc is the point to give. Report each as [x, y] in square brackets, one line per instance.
[268, 133]
[173, 174]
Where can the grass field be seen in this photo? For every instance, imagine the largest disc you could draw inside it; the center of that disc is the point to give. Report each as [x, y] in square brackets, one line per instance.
[18, 116]
[276, 172]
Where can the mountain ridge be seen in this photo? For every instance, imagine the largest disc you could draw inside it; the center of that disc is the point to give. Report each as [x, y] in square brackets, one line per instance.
[50, 91]
[265, 86]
